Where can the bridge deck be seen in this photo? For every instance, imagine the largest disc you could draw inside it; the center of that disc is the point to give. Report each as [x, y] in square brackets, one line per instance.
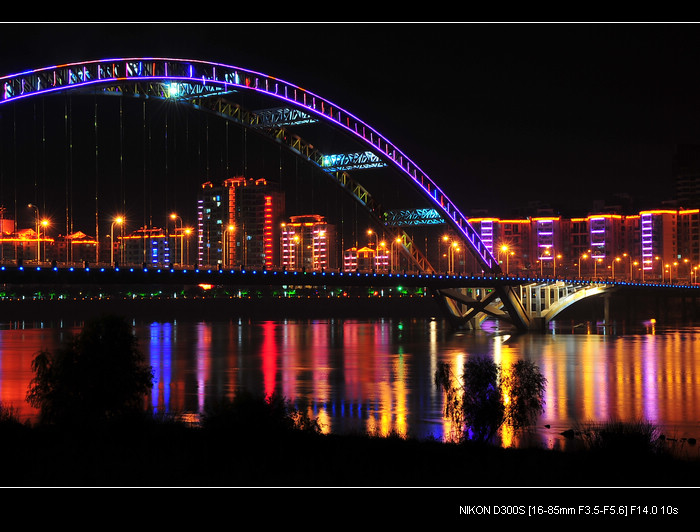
[194, 276]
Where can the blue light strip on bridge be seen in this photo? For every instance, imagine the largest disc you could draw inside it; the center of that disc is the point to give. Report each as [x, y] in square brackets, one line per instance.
[48, 275]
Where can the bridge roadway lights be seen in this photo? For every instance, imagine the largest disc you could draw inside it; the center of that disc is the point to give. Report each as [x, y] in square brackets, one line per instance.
[100, 274]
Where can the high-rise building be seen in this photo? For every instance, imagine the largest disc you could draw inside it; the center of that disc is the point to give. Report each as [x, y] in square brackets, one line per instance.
[547, 242]
[658, 230]
[239, 223]
[689, 236]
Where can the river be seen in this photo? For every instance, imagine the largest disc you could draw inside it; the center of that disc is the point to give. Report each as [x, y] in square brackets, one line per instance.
[376, 375]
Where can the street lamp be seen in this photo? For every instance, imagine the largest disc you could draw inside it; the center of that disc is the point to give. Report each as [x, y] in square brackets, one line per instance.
[629, 260]
[376, 247]
[188, 232]
[36, 222]
[395, 241]
[381, 244]
[554, 271]
[118, 220]
[297, 250]
[175, 218]
[616, 259]
[44, 224]
[446, 240]
[670, 273]
[376, 237]
[584, 256]
[504, 249]
[451, 256]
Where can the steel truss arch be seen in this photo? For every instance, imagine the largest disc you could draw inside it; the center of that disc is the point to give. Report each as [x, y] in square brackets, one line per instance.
[200, 78]
[231, 111]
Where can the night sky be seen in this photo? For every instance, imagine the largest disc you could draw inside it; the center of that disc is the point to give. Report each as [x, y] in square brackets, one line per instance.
[499, 115]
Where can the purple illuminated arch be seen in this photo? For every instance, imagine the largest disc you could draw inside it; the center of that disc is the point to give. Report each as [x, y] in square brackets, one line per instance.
[201, 77]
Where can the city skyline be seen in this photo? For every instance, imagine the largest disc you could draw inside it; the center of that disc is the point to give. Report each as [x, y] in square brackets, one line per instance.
[249, 233]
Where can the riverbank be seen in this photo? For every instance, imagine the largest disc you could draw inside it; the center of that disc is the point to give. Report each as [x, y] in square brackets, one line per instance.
[623, 307]
[172, 455]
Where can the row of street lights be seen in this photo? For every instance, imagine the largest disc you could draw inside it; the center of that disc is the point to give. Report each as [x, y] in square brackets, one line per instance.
[40, 222]
[452, 249]
[665, 269]
[119, 220]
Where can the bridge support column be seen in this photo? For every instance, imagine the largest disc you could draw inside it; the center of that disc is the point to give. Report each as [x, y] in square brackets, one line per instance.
[527, 307]
[470, 307]
[538, 324]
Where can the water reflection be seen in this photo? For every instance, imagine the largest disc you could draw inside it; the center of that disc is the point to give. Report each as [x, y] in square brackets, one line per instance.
[377, 376]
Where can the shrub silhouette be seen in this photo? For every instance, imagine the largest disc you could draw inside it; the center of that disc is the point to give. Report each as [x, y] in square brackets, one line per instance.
[250, 414]
[96, 376]
[490, 396]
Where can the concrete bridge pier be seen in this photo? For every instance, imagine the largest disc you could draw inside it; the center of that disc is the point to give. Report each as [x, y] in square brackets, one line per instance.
[606, 308]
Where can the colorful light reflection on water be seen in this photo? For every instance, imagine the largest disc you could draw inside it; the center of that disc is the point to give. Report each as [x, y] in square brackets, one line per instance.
[377, 376]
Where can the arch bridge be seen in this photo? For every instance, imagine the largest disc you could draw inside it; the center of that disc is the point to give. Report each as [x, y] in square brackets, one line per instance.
[212, 87]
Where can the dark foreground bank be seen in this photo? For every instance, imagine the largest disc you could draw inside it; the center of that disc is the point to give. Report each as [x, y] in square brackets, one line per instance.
[174, 455]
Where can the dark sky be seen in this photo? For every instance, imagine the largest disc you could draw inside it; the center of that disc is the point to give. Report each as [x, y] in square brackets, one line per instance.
[497, 114]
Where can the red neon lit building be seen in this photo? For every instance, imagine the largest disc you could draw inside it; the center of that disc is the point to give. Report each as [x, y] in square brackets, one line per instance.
[239, 223]
[308, 243]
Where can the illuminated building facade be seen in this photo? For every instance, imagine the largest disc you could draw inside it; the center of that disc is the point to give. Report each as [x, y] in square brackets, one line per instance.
[359, 259]
[74, 248]
[659, 239]
[579, 238]
[308, 243]
[147, 246]
[25, 246]
[641, 245]
[367, 259]
[238, 223]
[547, 243]
[689, 235]
[605, 236]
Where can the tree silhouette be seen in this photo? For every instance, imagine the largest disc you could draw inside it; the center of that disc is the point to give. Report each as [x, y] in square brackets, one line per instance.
[489, 396]
[98, 375]
[523, 387]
